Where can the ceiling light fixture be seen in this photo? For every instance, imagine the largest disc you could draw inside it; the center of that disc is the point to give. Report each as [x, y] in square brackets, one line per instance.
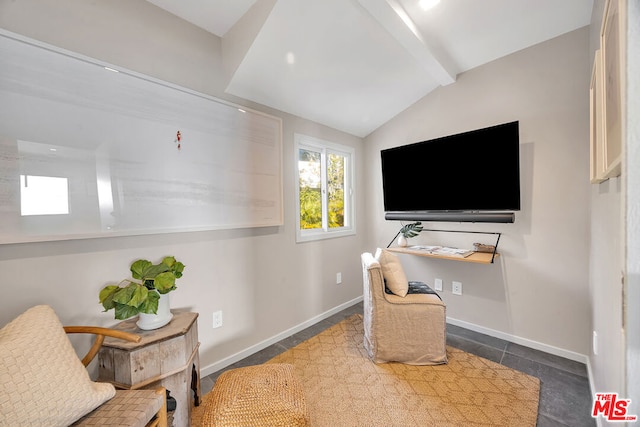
[428, 4]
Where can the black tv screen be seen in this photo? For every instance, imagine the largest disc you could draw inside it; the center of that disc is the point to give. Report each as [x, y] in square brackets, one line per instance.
[467, 172]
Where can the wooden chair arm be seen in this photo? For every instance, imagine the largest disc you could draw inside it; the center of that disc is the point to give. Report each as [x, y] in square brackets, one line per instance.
[100, 334]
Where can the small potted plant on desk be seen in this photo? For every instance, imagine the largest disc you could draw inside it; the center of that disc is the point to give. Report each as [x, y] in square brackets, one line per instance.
[408, 231]
[147, 294]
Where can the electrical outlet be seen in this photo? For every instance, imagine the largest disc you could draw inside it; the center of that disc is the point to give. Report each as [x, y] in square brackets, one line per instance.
[437, 283]
[456, 288]
[338, 278]
[217, 319]
[595, 343]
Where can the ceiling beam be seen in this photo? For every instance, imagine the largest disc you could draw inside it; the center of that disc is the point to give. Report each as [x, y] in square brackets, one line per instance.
[238, 39]
[391, 15]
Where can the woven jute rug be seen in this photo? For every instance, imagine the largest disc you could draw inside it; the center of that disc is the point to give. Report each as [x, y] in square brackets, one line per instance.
[344, 388]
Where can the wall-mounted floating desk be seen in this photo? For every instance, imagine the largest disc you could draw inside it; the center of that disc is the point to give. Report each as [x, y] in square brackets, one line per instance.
[477, 257]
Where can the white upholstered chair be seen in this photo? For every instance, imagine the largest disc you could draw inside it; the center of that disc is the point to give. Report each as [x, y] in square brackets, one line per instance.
[409, 329]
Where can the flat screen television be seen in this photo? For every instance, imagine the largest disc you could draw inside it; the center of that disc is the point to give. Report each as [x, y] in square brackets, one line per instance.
[476, 171]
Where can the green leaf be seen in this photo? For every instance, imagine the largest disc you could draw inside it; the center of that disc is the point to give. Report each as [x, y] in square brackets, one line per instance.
[106, 296]
[177, 269]
[150, 305]
[139, 296]
[169, 261]
[123, 295]
[165, 282]
[131, 295]
[139, 268]
[411, 230]
[154, 270]
[124, 311]
[144, 270]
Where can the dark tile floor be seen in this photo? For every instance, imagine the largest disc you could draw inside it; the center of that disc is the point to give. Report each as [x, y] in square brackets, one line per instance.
[565, 396]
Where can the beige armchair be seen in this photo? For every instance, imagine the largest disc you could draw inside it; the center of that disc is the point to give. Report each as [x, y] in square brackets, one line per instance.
[43, 381]
[409, 329]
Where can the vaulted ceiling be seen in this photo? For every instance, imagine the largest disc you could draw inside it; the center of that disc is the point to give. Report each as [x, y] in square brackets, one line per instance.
[355, 64]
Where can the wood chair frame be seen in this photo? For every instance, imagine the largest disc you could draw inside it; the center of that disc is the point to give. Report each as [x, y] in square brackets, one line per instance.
[161, 417]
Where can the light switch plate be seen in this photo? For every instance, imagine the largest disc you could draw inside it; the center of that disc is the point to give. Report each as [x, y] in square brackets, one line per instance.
[217, 319]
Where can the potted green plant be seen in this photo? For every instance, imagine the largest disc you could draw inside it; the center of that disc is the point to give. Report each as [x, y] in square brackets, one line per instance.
[145, 294]
[408, 231]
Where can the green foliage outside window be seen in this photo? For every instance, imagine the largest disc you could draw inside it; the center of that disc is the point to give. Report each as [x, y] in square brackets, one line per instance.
[310, 191]
[310, 208]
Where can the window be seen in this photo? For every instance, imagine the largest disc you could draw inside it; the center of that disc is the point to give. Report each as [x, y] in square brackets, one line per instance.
[324, 194]
[43, 195]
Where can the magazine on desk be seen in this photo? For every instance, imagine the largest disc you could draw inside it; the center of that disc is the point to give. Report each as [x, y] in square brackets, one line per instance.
[443, 250]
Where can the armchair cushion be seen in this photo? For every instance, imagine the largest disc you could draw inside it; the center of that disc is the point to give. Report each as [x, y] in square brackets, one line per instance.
[393, 273]
[42, 380]
[416, 288]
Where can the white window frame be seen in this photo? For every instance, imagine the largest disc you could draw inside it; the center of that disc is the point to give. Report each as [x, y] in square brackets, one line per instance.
[325, 147]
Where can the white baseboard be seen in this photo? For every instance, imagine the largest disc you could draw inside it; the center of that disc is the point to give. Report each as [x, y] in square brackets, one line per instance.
[567, 354]
[221, 364]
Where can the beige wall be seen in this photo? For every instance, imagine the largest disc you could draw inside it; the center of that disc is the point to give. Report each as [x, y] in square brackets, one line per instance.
[537, 293]
[263, 281]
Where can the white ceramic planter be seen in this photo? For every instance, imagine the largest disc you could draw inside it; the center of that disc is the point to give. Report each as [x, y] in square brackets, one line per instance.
[158, 320]
[402, 241]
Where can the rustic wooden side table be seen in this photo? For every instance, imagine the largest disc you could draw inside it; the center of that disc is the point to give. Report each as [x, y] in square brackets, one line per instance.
[167, 356]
